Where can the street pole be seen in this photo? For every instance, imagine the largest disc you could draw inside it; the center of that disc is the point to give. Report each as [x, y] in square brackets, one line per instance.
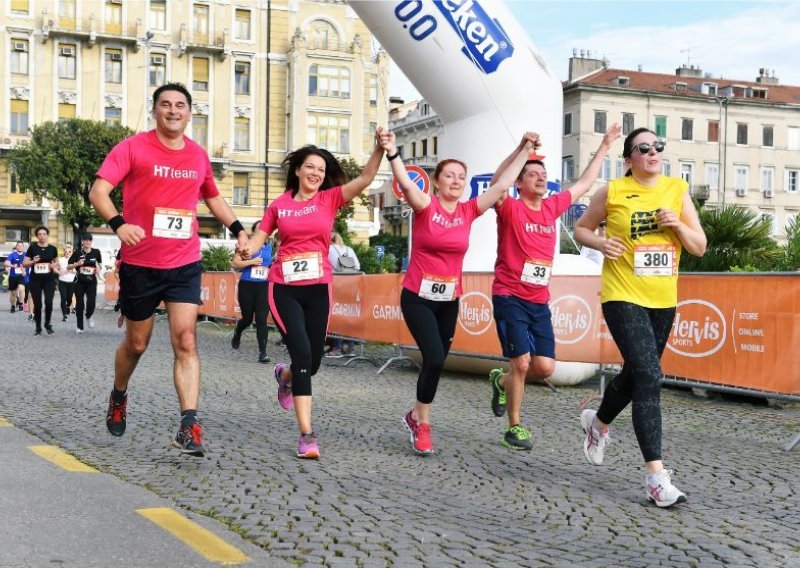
[724, 150]
[722, 143]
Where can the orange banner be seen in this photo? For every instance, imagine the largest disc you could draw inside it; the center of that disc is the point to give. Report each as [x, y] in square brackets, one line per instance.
[729, 328]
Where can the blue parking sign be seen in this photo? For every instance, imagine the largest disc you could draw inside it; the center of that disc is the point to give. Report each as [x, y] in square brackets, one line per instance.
[379, 251]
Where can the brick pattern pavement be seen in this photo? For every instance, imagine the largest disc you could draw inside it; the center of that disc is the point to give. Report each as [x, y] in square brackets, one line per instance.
[370, 502]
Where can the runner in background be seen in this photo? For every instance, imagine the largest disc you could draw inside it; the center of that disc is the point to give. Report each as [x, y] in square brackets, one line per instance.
[87, 262]
[16, 277]
[252, 295]
[66, 282]
[301, 276]
[651, 219]
[42, 259]
[527, 230]
[432, 284]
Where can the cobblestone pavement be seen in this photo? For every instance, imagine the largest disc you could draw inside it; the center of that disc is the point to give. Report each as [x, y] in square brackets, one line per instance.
[370, 502]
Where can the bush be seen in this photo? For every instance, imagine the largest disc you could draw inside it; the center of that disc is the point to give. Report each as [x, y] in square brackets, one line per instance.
[216, 258]
[370, 264]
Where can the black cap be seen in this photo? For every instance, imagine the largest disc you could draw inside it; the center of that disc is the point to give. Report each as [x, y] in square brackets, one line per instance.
[86, 237]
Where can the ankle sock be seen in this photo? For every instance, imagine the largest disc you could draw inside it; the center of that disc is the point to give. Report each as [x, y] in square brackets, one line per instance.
[118, 396]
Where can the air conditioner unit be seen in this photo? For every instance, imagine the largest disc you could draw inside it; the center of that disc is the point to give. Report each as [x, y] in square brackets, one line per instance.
[67, 51]
[769, 192]
[157, 60]
[741, 192]
[116, 57]
[20, 46]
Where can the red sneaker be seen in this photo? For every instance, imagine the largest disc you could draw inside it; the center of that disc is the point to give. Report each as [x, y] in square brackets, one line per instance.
[419, 435]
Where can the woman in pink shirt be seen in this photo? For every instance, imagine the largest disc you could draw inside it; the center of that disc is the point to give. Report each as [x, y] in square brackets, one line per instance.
[300, 277]
[432, 285]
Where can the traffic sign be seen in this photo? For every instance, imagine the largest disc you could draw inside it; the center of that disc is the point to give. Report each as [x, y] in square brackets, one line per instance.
[418, 176]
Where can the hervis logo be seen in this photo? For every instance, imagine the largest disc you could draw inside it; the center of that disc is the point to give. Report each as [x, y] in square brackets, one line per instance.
[572, 319]
[475, 313]
[205, 293]
[699, 329]
[223, 291]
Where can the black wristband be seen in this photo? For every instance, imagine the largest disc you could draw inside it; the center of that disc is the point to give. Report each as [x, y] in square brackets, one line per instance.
[393, 156]
[116, 222]
[236, 228]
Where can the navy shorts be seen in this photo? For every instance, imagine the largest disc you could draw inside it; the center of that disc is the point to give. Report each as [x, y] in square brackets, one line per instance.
[142, 289]
[15, 281]
[524, 327]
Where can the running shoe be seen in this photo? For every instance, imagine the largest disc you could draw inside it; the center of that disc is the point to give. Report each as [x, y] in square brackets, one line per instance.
[661, 491]
[263, 358]
[307, 446]
[37, 332]
[518, 438]
[333, 354]
[64, 318]
[189, 440]
[91, 322]
[117, 415]
[78, 331]
[419, 435]
[498, 393]
[49, 330]
[236, 340]
[13, 309]
[284, 391]
[20, 308]
[594, 444]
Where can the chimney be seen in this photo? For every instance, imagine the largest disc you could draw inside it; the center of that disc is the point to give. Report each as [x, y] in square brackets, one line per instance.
[764, 77]
[689, 71]
[580, 66]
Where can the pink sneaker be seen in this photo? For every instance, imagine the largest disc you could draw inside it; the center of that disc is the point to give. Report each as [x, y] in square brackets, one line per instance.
[307, 446]
[419, 435]
[284, 391]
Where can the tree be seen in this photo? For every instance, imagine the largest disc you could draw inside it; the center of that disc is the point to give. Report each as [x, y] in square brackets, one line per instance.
[60, 162]
[352, 169]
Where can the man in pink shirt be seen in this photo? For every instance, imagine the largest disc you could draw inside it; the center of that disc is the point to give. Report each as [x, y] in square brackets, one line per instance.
[527, 228]
[163, 175]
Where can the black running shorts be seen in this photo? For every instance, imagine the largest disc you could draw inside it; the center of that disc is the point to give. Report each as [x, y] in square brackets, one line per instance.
[142, 289]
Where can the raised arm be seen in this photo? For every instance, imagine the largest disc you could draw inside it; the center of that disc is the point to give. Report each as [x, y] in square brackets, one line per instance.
[508, 171]
[416, 199]
[589, 175]
[360, 183]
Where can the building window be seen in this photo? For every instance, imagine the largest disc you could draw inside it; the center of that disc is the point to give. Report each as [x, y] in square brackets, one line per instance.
[19, 56]
[605, 173]
[200, 23]
[628, 123]
[373, 90]
[66, 61]
[19, 117]
[568, 168]
[323, 35]
[767, 179]
[329, 81]
[113, 58]
[331, 132]
[241, 188]
[600, 120]
[740, 179]
[67, 14]
[66, 111]
[768, 137]
[157, 16]
[620, 168]
[241, 134]
[435, 145]
[242, 27]
[712, 176]
[424, 147]
[666, 168]
[687, 171]
[413, 149]
[113, 116]
[14, 234]
[200, 129]
[661, 127]
[713, 130]
[792, 181]
[741, 133]
[20, 6]
[687, 129]
[242, 78]
[567, 123]
[793, 138]
[158, 70]
[200, 73]
[113, 20]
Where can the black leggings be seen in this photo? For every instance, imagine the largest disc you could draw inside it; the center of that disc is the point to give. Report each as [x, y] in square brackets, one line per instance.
[37, 286]
[301, 314]
[432, 324]
[641, 335]
[88, 289]
[66, 291]
[253, 300]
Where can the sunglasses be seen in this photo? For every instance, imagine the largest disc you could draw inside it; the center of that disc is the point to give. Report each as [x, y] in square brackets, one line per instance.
[644, 147]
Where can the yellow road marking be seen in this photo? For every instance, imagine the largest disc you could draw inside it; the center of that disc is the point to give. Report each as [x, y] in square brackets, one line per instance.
[4, 422]
[204, 542]
[61, 458]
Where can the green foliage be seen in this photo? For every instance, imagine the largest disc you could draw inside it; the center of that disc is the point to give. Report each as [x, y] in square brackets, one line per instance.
[791, 251]
[60, 162]
[737, 237]
[369, 260]
[352, 170]
[216, 259]
[395, 245]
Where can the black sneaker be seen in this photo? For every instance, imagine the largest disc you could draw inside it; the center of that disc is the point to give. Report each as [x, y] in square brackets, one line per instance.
[49, 330]
[263, 358]
[19, 306]
[13, 309]
[116, 416]
[64, 318]
[498, 394]
[518, 438]
[189, 440]
[37, 332]
[236, 340]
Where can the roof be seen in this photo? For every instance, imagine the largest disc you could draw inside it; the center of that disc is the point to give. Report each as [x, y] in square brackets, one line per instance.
[670, 84]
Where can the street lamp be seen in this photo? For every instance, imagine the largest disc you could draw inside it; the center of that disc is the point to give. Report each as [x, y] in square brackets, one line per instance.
[722, 141]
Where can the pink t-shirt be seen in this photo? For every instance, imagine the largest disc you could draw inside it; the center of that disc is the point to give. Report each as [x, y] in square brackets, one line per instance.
[526, 241]
[305, 231]
[155, 177]
[439, 242]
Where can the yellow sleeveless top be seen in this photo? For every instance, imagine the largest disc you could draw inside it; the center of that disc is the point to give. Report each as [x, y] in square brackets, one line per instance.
[647, 273]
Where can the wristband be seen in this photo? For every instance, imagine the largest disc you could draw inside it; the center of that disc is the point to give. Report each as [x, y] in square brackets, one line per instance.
[236, 228]
[116, 222]
[393, 156]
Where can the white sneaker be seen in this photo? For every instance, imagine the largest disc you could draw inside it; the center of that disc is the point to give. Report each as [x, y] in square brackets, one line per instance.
[91, 323]
[78, 331]
[661, 491]
[594, 445]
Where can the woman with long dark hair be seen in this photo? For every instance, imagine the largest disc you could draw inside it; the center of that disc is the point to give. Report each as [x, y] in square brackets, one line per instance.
[301, 276]
[42, 259]
[650, 220]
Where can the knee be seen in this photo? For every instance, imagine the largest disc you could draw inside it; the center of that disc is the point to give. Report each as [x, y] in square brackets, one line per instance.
[186, 341]
[136, 346]
[521, 364]
[543, 367]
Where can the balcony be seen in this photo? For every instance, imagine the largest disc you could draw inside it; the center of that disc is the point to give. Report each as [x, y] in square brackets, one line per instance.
[88, 30]
[217, 46]
[425, 162]
[393, 214]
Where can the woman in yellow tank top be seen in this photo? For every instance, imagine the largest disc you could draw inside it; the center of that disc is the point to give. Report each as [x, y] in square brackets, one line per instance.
[650, 220]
